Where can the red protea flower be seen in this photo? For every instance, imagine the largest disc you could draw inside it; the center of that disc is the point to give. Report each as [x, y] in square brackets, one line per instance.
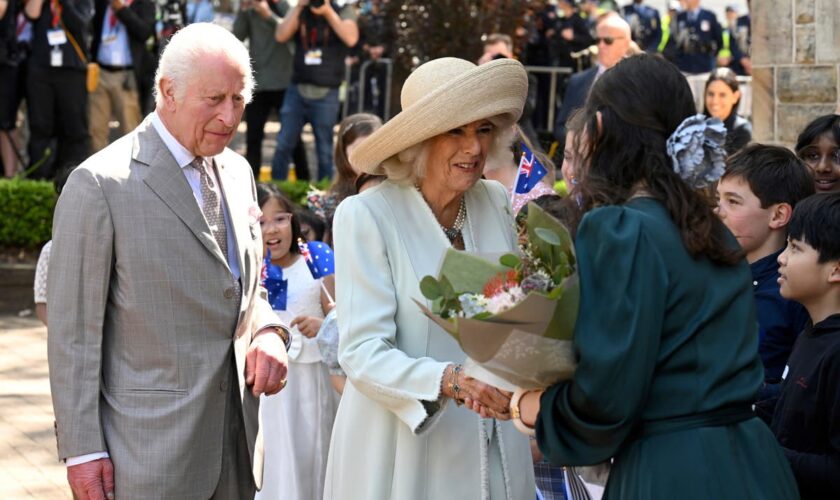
[500, 283]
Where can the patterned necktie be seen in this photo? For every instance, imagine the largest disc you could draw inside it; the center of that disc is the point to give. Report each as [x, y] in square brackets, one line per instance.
[212, 208]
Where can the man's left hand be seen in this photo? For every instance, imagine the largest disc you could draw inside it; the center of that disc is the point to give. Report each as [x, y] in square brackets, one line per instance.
[266, 364]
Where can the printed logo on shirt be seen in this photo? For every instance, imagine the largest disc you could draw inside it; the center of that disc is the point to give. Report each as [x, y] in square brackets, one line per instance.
[802, 383]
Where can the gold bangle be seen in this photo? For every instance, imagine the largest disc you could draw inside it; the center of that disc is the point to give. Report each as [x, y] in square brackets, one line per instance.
[516, 414]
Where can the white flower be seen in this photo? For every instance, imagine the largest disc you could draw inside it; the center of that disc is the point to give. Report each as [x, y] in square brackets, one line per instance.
[504, 300]
[472, 304]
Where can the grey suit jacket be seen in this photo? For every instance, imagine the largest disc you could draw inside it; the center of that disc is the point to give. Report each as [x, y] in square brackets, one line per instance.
[144, 325]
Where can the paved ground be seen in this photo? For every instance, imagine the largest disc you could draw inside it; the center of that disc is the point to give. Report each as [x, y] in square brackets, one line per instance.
[29, 467]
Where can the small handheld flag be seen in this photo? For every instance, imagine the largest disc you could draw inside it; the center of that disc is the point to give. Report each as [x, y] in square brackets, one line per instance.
[320, 260]
[531, 171]
[271, 277]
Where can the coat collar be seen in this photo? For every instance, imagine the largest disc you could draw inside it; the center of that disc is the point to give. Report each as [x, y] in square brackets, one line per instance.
[486, 230]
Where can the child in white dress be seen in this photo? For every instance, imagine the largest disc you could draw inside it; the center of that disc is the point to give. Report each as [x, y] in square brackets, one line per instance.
[297, 422]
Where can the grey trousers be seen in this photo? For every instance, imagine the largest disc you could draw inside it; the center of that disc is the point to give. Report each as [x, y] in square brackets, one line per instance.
[236, 481]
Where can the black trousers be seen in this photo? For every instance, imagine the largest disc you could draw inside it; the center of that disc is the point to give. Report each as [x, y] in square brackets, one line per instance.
[256, 115]
[58, 113]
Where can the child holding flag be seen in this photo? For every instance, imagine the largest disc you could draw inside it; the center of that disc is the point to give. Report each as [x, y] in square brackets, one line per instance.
[297, 423]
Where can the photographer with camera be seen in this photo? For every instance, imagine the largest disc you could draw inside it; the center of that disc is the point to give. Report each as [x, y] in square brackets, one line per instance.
[323, 32]
[699, 37]
[56, 79]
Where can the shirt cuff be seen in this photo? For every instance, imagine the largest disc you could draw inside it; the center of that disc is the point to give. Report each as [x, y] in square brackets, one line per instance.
[83, 459]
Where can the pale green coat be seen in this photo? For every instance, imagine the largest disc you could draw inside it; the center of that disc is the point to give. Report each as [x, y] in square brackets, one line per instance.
[393, 438]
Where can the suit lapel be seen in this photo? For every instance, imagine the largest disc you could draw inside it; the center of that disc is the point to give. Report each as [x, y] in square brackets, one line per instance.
[167, 180]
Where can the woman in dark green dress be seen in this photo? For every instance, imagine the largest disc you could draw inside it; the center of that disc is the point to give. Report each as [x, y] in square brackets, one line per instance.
[666, 333]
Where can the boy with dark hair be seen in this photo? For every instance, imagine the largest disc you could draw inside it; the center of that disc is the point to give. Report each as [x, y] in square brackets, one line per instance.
[806, 419]
[757, 194]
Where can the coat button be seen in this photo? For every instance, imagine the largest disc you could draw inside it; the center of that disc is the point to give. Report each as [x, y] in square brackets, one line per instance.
[223, 386]
[229, 293]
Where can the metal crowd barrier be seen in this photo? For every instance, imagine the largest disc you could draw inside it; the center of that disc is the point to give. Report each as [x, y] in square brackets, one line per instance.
[552, 93]
[363, 69]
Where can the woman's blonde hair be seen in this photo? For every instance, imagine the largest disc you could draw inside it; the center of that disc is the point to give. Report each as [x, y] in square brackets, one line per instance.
[409, 165]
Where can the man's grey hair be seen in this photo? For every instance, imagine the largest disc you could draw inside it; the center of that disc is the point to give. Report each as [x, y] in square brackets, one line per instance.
[179, 61]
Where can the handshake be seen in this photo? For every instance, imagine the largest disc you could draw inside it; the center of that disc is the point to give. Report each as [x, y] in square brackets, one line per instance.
[484, 399]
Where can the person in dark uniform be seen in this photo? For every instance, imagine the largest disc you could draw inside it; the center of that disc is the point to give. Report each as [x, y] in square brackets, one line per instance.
[699, 37]
[743, 36]
[645, 25]
[572, 35]
[57, 97]
[668, 45]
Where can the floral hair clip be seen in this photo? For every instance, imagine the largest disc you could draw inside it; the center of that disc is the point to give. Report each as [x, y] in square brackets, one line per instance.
[696, 150]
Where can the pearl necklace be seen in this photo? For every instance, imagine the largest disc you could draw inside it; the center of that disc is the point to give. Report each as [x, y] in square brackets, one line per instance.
[452, 233]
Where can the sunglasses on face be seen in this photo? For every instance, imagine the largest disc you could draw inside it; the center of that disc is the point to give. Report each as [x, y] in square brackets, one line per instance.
[812, 156]
[608, 40]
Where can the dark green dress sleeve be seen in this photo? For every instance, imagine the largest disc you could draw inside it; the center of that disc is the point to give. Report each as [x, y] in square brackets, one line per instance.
[624, 285]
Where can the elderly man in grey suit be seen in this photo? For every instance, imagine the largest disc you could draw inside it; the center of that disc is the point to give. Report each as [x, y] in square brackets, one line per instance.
[160, 338]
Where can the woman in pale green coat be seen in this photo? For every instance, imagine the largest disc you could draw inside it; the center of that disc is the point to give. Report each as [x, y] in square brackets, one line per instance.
[400, 432]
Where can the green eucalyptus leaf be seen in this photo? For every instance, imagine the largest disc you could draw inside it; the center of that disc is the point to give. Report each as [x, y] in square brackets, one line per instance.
[547, 235]
[510, 260]
[447, 291]
[430, 288]
[468, 272]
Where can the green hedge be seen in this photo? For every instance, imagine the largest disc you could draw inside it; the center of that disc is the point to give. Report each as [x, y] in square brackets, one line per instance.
[27, 206]
[27, 209]
[297, 190]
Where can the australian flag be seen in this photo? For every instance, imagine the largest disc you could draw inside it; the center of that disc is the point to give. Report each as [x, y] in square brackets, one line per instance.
[530, 171]
[271, 278]
[319, 257]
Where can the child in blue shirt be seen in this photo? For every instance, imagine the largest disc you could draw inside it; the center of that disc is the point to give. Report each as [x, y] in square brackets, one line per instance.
[756, 195]
[806, 416]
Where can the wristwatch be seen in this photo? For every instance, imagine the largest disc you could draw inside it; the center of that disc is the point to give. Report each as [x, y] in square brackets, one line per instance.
[283, 333]
[516, 415]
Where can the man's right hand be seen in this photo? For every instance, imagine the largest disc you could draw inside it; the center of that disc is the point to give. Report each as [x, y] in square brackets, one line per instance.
[92, 480]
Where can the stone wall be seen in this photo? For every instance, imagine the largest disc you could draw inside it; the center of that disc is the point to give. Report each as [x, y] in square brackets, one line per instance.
[796, 66]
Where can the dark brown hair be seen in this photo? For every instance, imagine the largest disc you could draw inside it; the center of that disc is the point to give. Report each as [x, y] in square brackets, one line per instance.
[730, 79]
[642, 100]
[350, 129]
[267, 191]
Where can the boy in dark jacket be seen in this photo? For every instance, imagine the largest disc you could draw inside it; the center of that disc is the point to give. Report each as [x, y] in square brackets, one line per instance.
[806, 418]
[757, 194]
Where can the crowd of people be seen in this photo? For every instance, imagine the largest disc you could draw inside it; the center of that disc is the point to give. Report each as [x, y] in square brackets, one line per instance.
[197, 350]
[299, 54]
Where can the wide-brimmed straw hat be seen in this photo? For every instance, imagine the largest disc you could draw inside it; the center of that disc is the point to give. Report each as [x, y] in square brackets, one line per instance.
[441, 95]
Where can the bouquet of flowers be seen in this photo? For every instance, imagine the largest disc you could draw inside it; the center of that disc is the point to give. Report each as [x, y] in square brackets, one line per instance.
[513, 317]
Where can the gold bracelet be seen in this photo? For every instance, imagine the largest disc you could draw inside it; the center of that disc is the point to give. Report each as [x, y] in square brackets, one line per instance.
[516, 415]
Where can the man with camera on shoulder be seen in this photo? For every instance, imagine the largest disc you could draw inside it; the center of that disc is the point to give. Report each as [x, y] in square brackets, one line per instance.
[323, 32]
